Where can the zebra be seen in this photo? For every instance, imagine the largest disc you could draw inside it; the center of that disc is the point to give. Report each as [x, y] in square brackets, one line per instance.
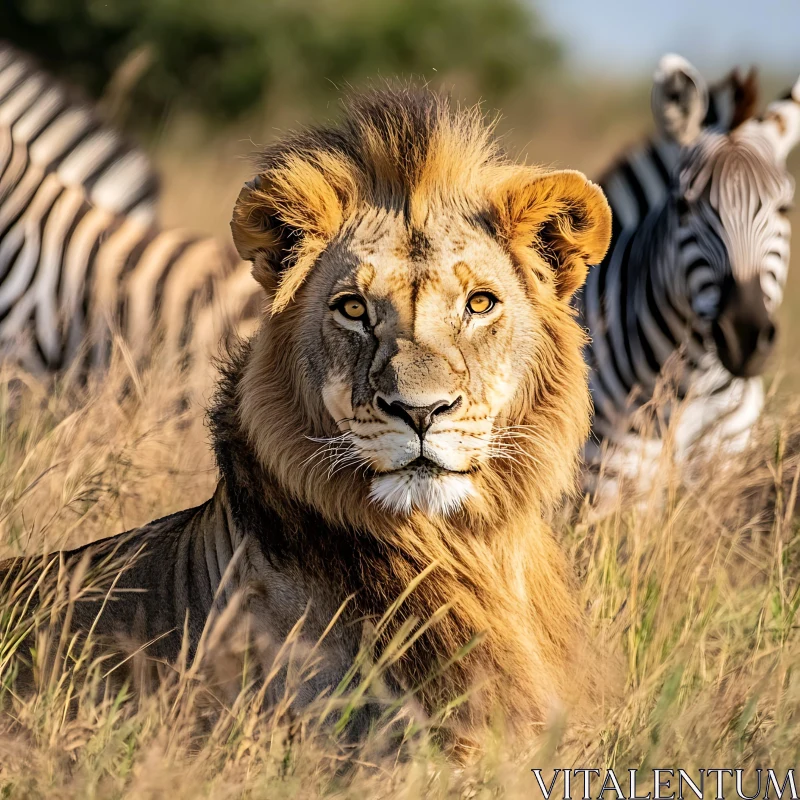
[688, 290]
[82, 258]
[46, 128]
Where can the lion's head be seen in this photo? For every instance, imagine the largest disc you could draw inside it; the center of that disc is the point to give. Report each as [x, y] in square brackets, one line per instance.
[420, 350]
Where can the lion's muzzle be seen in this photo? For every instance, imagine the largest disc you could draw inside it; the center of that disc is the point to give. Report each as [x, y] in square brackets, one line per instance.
[418, 418]
[421, 454]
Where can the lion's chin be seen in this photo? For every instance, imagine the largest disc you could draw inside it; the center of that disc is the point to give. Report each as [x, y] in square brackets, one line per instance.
[431, 490]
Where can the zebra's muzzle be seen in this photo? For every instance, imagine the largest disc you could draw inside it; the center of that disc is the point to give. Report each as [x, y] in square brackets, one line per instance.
[744, 333]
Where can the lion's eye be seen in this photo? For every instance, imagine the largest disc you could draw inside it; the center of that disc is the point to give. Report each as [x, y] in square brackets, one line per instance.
[481, 302]
[352, 308]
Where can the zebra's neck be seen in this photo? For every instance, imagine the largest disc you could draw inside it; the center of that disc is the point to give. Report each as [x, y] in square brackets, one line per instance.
[639, 319]
[662, 325]
[657, 302]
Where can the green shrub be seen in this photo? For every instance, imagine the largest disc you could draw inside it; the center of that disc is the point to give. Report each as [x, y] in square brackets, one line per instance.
[225, 57]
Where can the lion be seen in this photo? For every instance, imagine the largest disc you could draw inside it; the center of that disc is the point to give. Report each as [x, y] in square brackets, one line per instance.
[413, 404]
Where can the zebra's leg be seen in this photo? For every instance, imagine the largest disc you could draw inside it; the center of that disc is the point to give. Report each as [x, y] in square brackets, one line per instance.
[622, 473]
[721, 425]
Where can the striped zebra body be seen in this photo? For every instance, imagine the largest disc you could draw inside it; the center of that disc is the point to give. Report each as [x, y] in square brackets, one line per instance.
[81, 258]
[44, 130]
[681, 309]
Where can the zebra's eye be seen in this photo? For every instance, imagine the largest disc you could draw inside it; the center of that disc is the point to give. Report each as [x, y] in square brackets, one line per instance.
[352, 307]
[481, 302]
[682, 207]
[786, 209]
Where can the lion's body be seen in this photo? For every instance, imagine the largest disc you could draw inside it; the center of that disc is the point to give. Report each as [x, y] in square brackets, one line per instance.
[410, 205]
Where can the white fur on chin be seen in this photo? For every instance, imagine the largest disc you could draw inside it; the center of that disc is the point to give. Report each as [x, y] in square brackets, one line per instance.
[435, 492]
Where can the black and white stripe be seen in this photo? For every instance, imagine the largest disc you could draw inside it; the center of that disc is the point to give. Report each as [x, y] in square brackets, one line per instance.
[80, 256]
[687, 293]
[46, 129]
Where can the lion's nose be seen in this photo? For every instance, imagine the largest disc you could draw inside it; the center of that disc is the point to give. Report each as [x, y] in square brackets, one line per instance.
[418, 418]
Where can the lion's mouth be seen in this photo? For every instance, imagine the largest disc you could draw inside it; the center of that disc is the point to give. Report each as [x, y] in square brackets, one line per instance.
[422, 465]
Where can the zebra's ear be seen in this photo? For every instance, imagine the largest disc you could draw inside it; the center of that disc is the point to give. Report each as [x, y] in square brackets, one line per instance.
[281, 222]
[555, 223]
[732, 100]
[781, 122]
[679, 99]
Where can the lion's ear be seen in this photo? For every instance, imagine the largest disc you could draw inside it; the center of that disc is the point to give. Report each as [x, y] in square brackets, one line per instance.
[561, 217]
[283, 219]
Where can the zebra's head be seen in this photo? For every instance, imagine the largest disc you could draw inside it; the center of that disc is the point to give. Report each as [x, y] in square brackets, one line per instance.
[730, 196]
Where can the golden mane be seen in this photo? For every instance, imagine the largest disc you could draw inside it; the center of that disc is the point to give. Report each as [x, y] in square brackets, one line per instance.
[398, 148]
[499, 569]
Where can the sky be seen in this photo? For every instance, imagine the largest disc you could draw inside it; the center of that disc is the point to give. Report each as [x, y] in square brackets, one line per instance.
[624, 36]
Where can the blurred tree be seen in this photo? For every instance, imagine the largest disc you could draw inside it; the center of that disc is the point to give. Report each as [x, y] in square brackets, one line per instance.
[224, 57]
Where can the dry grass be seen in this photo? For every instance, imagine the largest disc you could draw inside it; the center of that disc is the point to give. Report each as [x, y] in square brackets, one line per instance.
[694, 601]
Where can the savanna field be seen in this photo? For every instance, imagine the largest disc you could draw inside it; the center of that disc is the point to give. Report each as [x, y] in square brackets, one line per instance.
[693, 603]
